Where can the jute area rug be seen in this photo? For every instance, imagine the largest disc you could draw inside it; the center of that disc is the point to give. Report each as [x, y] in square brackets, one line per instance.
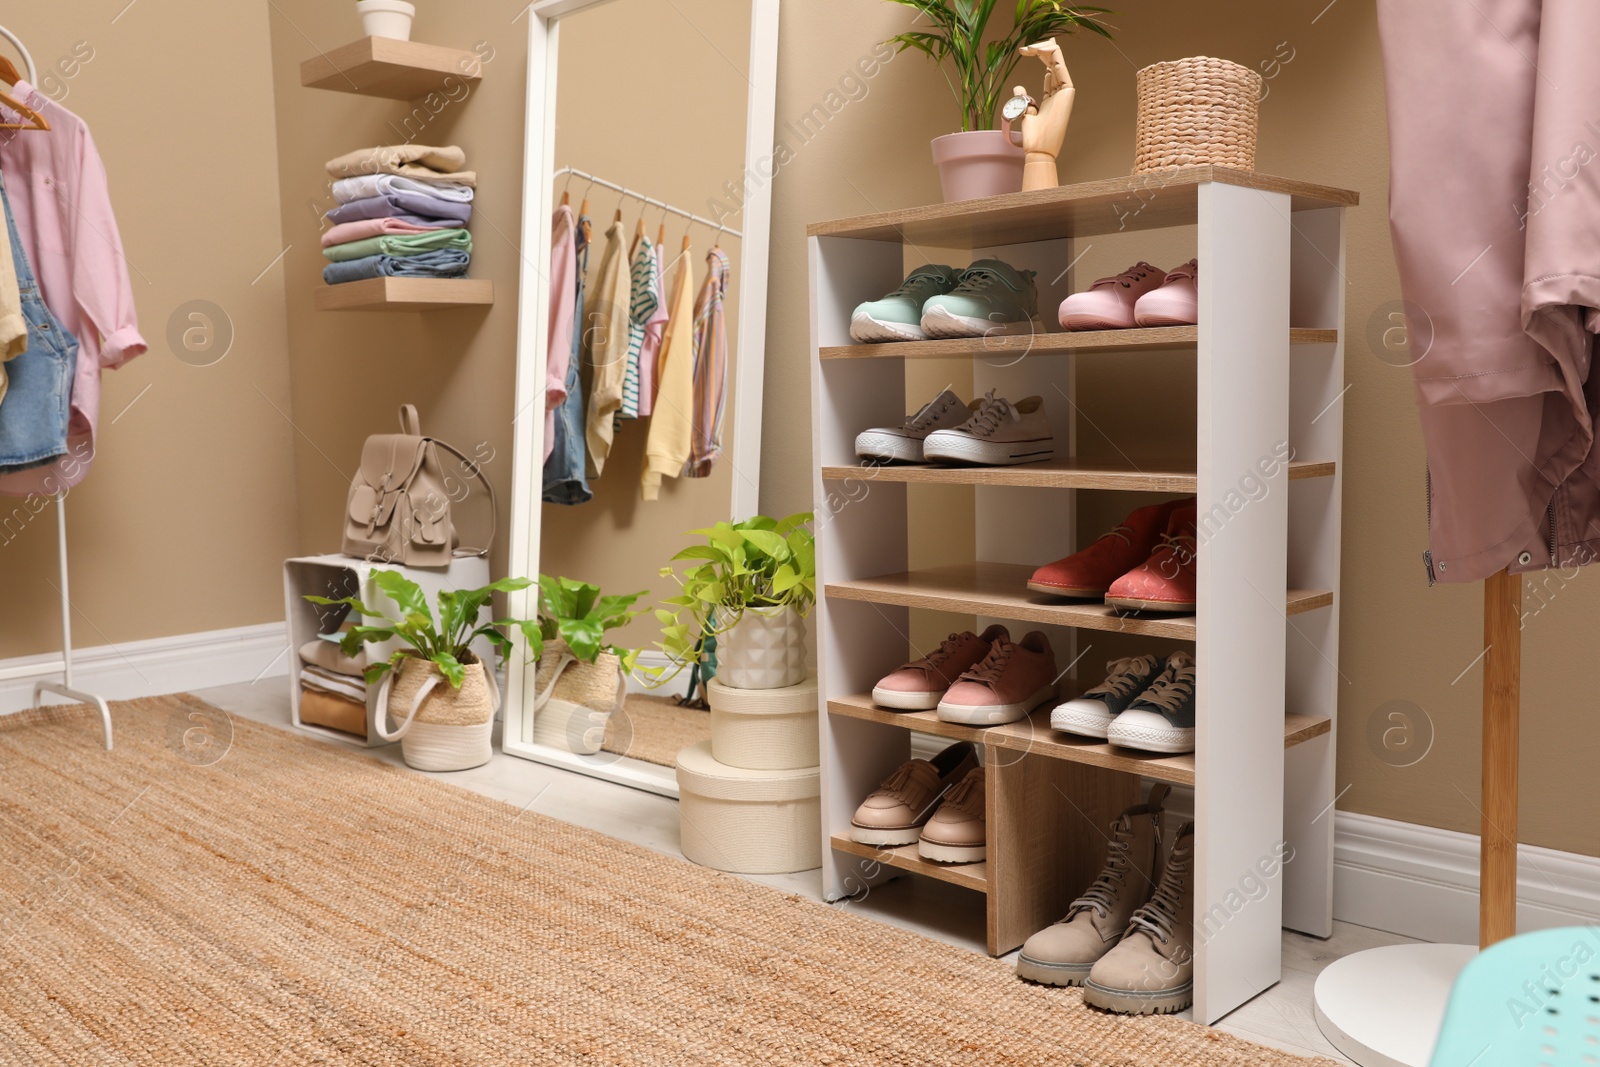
[654, 728]
[222, 893]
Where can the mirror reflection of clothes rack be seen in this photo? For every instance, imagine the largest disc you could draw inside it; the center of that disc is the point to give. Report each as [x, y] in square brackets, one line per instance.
[650, 341]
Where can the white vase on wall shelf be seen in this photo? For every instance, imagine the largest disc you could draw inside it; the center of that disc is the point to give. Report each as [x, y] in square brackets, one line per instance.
[386, 18]
[765, 649]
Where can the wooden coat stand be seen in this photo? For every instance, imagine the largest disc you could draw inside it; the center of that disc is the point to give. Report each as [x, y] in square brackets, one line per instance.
[1384, 1007]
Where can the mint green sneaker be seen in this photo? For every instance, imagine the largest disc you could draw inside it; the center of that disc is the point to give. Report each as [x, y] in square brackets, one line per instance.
[992, 298]
[898, 316]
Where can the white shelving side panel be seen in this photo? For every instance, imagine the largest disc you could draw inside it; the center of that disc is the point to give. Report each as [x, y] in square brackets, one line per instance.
[861, 531]
[1243, 390]
[1316, 432]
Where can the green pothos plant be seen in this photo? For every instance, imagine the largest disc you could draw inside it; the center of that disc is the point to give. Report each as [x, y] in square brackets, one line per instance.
[758, 563]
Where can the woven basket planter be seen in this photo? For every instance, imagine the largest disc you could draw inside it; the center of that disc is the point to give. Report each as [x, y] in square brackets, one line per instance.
[1194, 112]
[764, 729]
[575, 699]
[748, 822]
[441, 728]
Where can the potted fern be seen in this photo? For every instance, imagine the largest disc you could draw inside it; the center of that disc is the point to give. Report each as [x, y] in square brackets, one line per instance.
[981, 160]
[581, 677]
[749, 586]
[441, 693]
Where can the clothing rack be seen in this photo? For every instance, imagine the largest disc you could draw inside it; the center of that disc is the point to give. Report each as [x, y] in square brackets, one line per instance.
[64, 687]
[651, 201]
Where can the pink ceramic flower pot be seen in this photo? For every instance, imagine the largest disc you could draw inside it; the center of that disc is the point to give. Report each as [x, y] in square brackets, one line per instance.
[977, 163]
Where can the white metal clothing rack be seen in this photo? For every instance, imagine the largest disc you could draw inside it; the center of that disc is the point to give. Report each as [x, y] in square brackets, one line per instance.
[651, 201]
[63, 688]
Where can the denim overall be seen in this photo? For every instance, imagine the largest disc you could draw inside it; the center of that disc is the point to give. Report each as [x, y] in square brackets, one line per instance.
[564, 478]
[34, 413]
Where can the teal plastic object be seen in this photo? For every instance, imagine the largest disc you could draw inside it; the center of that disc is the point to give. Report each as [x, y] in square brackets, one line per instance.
[1532, 1001]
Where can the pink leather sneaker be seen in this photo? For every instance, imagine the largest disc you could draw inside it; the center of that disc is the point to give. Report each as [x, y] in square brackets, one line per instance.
[1013, 679]
[1087, 574]
[1108, 304]
[1175, 303]
[1165, 581]
[919, 684]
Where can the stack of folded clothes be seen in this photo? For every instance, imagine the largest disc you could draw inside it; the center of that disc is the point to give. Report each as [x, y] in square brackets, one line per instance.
[333, 686]
[403, 212]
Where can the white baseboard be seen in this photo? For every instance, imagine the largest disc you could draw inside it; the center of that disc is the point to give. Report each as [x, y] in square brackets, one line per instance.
[156, 666]
[1422, 882]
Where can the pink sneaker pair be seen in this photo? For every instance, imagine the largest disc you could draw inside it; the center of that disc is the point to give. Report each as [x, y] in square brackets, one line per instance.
[1142, 295]
[977, 679]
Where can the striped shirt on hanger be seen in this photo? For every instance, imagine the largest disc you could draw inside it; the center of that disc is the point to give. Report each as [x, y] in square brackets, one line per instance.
[641, 305]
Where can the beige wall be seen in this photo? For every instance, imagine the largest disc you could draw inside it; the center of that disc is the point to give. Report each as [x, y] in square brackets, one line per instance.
[192, 493]
[190, 506]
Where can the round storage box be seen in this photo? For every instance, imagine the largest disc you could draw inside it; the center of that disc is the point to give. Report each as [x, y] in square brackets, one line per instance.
[764, 729]
[748, 822]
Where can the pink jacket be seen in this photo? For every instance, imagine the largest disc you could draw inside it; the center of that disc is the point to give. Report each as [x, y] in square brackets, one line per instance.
[57, 188]
[1494, 206]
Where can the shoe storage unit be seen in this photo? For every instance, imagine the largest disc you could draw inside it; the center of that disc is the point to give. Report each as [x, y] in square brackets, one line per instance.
[1269, 366]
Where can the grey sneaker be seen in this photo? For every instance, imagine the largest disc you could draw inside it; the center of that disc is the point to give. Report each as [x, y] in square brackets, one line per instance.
[1162, 718]
[992, 298]
[1090, 714]
[1063, 954]
[898, 315]
[999, 434]
[1151, 971]
[887, 444]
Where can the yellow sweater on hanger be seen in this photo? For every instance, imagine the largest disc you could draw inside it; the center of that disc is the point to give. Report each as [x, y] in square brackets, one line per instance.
[672, 420]
[605, 330]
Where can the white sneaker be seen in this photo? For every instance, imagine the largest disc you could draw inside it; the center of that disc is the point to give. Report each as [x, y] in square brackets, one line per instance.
[999, 434]
[883, 444]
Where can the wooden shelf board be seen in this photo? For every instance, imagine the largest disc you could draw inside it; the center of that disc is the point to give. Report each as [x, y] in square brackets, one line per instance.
[1000, 590]
[1112, 205]
[404, 294]
[1155, 476]
[1012, 347]
[905, 858]
[1034, 735]
[382, 66]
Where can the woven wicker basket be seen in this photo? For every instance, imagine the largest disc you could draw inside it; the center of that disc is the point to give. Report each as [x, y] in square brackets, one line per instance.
[1194, 112]
[571, 712]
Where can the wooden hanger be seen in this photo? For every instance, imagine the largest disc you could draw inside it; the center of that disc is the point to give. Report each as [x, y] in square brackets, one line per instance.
[9, 72]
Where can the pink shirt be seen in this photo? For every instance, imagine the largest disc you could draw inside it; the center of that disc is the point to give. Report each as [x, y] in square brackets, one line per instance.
[563, 292]
[57, 188]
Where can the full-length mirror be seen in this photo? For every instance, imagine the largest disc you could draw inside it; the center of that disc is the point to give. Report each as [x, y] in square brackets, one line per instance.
[649, 151]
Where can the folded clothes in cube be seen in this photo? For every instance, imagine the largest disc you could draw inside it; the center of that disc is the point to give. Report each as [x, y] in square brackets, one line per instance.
[365, 185]
[334, 712]
[444, 263]
[401, 244]
[328, 682]
[328, 656]
[401, 204]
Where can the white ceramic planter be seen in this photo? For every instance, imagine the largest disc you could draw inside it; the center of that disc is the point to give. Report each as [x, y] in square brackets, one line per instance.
[765, 649]
[386, 18]
[977, 163]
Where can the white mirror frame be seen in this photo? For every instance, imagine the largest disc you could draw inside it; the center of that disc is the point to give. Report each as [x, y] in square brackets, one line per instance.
[538, 204]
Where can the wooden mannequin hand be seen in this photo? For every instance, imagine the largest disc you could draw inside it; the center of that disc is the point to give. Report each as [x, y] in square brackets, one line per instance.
[1045, 131]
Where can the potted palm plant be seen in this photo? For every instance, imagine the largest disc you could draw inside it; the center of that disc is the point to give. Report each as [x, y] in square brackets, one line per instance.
[981, 160]
[749, 586]
[441, 693]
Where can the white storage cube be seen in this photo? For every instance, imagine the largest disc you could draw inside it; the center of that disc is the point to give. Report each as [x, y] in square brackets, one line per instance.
[748, 822]
[337, 576]
[764, 729]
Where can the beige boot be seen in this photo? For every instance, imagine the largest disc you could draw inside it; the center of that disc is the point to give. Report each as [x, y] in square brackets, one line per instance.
[1151, 971]
[1062, 954]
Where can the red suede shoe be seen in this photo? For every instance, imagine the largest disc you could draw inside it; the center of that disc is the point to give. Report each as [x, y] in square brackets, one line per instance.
[1165, 581]
[1088, 574]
